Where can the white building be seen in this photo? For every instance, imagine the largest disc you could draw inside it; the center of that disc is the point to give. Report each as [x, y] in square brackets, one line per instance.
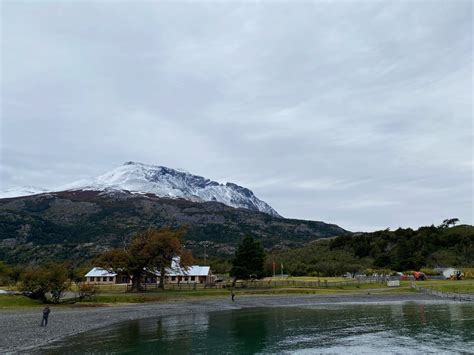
[192, 274]
[174, 274]
[101, 276]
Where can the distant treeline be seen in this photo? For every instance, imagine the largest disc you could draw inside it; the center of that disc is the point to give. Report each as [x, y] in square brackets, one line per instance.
[401, 250]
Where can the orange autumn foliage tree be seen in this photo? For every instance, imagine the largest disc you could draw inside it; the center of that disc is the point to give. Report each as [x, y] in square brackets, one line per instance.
[152, 249]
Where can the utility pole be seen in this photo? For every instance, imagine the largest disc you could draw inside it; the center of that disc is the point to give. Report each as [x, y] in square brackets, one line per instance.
[206, 244]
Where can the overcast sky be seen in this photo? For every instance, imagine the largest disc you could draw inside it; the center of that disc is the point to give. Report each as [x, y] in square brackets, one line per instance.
[354, 113]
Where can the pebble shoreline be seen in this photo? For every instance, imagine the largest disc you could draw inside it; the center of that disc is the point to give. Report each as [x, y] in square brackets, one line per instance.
[21, 332]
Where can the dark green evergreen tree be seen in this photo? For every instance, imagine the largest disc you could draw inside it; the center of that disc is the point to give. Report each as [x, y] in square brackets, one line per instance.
[249, 260]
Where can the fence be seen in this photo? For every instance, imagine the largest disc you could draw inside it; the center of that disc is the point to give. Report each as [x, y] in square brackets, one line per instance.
[298, 283]
[447, 295]
[259, 284]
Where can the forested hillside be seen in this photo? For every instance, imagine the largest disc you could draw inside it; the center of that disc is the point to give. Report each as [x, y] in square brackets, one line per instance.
[81, 225]
[401, 250]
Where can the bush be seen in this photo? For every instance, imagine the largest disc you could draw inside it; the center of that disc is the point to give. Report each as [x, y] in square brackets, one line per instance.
[86, 290]
[39, 281]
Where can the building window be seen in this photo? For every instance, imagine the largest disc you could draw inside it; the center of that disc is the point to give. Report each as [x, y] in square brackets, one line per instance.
[91, 279]
[173, 278]
[193, 278]
[111, 279]
[104, 279]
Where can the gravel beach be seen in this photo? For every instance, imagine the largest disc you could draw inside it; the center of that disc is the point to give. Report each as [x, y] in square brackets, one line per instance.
[20, 329]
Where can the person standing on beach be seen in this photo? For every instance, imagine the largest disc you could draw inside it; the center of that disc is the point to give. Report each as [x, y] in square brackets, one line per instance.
[46, 312]
[233, 296]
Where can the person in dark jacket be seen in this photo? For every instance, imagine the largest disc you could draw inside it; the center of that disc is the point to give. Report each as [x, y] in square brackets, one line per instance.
[46, 311]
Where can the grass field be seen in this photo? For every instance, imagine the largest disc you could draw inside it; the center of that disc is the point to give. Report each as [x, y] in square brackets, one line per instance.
[114, 296]
[10, 301]
[460, 286]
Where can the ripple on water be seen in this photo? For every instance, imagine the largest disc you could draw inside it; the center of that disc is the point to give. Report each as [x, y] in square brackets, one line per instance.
[397, 328]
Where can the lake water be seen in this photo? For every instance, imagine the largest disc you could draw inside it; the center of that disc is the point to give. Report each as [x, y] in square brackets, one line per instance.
[356, 328]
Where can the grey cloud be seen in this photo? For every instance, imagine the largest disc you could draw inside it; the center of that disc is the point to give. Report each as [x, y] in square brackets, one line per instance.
[356, 113]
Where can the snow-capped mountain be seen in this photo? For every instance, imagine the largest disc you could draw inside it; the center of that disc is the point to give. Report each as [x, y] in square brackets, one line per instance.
[22, 191]
[165, 182]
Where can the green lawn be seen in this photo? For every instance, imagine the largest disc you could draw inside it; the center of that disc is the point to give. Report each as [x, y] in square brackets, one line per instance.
[115, 294]
[207, 294]
[165, 295]
[114, 297]
[14, 301]
[460, 286]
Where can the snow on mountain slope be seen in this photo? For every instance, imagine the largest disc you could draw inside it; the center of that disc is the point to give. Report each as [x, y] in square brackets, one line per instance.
[166, 182]
[22, 191]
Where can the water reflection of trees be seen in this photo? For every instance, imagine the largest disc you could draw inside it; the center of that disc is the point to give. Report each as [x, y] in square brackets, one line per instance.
[430, 327]
[440, 325]
[240, 331]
